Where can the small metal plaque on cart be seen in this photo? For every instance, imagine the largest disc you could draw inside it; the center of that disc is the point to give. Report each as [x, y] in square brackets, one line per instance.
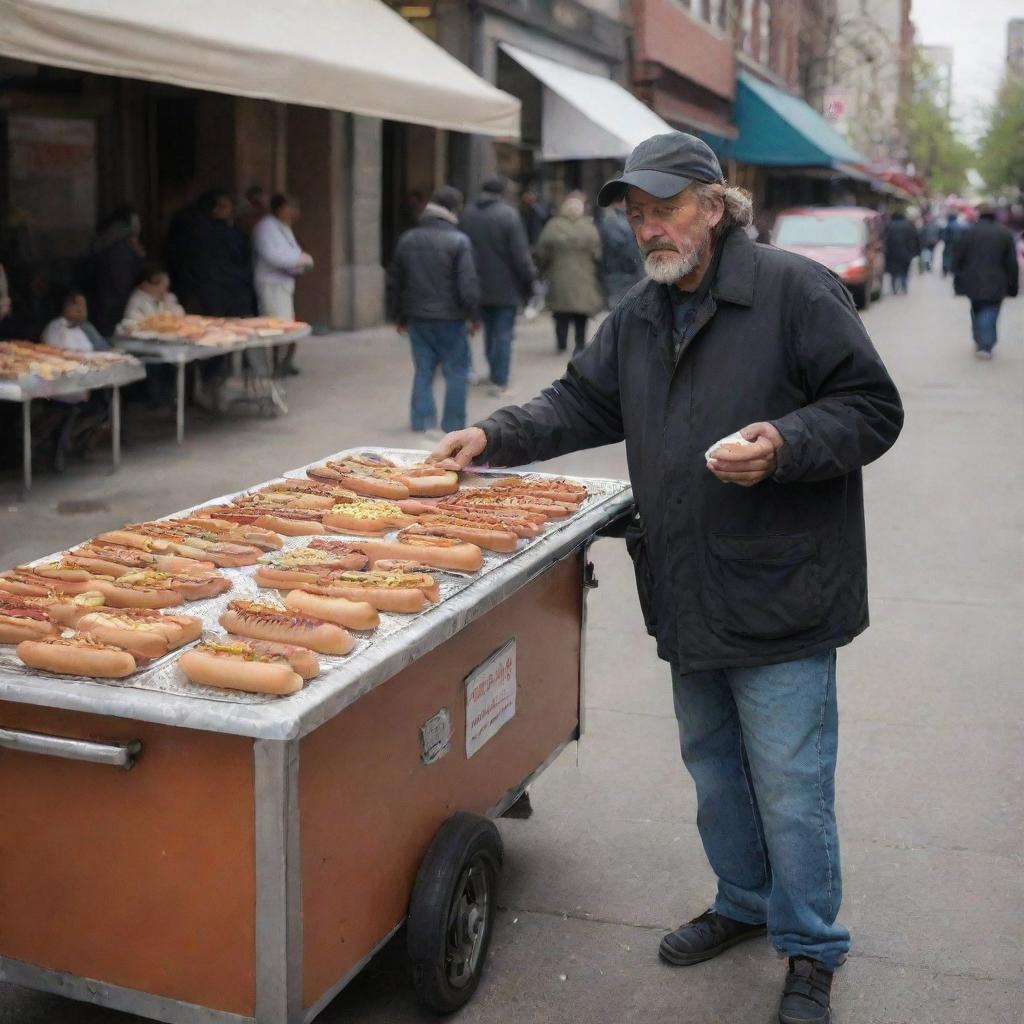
[436, 736]
[490, 696]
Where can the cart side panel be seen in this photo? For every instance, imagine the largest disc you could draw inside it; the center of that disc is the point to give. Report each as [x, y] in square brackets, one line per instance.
[141, 878]
[368, 805]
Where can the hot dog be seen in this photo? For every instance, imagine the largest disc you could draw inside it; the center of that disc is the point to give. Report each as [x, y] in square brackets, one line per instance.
[504, 541]
[366, 517]
[237, 533]
[557, 490]
[22, 622]
[359, 479]
[301, 659]
[187, 542]
[267, 622]
[351, 614]
[327, 554]
[520, 525]
[386, 591]
[76, 656]
[442, 552]
[289, 522]
[109, 560]
[143, 633]
[25, 582]
[485, 498]
[239, 667]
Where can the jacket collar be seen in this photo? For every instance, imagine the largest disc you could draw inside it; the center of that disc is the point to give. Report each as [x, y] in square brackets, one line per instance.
[733, 283]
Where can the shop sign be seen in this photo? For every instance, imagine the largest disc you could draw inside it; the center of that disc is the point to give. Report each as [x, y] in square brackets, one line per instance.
[490, 696]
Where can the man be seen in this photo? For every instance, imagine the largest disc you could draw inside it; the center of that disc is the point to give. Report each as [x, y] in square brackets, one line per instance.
[985, 269]
[502, 256]
[254, 209]
[901, 246]
[432, 290]
[278, 260]
[950, 236]
[621, 265]
[748, 589]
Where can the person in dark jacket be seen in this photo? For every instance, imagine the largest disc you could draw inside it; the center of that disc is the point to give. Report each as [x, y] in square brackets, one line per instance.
[115, 262]
[901, 246]
[950, 235]
[505, 267]
[432, 290]
[221, 261]
[985, 269]
[750, 563]
[621, 265]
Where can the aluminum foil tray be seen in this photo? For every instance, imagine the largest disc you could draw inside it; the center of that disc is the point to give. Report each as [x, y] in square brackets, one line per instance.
[462, 595]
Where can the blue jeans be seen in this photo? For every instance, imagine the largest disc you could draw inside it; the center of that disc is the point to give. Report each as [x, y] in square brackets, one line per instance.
[899, 283]
[444, 343]
[984, 316]
[761, 746]
[499, 323]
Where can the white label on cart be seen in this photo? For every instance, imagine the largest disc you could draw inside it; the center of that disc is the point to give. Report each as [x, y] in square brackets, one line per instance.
[436, 737]
[490, 696]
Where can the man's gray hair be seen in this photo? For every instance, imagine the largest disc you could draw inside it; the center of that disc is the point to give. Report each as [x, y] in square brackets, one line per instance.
[738, 205]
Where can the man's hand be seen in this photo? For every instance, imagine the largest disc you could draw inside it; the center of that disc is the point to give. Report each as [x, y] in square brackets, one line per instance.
[458, 449]
[750, 465]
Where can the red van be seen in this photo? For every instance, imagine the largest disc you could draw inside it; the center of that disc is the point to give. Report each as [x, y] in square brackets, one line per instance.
[846, 239]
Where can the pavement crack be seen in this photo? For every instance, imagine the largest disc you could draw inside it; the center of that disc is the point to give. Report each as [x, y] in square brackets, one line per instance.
[570, 915]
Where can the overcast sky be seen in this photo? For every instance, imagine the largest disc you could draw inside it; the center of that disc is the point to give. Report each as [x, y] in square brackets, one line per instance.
[976, 30]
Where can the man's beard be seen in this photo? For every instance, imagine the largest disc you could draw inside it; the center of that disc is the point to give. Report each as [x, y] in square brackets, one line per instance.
[667, 265]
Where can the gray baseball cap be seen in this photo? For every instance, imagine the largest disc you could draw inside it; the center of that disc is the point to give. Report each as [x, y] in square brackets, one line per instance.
[664, 165]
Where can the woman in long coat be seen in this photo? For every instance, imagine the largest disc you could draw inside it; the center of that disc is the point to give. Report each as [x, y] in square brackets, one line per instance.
[569, 255]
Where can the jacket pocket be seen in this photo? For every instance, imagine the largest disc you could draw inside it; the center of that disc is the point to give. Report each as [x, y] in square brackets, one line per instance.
[636, 544]
[765, 587]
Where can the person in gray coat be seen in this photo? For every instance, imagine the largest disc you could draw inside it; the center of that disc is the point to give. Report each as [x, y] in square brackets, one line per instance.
[750, 555]
[432, 291]
[506, 271]
[621, 263]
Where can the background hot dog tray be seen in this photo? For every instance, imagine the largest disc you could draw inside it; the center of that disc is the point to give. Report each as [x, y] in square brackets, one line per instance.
[161, 693]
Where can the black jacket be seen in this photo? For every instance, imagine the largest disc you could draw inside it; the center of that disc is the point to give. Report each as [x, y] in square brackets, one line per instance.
[221, 261]
[500, 251]
[732, 576]
[985, 262]
[432, 275]
[901, 245]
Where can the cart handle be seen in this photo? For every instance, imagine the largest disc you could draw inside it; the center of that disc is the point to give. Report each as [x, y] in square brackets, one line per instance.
[117, 755]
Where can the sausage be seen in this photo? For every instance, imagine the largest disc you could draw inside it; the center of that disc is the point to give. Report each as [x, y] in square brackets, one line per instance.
[353, 614]
[265, 622]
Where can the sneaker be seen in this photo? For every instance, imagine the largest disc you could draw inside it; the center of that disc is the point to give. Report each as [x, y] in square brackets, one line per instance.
[500, 392]
[704, 938]
[472, 377]
[982, 353]
[433, 435]
[807, 994]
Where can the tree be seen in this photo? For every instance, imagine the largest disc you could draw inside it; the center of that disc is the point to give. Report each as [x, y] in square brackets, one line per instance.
[1001, 153]
[938, 154]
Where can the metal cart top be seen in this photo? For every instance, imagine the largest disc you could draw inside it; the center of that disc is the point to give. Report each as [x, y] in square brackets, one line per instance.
[161, 694]
[30, 386]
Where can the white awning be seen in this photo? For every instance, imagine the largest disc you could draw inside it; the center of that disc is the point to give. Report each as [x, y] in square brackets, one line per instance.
[353, 55]
[585, 116]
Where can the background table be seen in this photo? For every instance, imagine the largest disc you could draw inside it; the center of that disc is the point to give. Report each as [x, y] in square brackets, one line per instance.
[28, 387]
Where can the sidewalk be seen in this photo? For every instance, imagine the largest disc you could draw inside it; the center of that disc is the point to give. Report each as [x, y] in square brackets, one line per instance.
[931, 704]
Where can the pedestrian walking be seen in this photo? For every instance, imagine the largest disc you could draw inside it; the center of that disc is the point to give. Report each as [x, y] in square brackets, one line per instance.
[950, 234]
[534, 211]
[621, 265]
[748, 589]
[985, 269]
[901, 246]
[501, 254]
[929, 234]
[279, 260]
[432, 291]
[114, 263]
[569, 255]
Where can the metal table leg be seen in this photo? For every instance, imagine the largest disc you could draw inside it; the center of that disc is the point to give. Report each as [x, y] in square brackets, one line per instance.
[179, 397]
[115, 425]
[26, 442]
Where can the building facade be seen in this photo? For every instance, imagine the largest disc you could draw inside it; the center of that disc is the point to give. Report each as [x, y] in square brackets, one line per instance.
[1015, 46]
[938, 64]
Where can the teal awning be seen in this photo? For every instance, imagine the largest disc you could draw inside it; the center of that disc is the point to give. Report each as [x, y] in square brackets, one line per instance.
[779, 130]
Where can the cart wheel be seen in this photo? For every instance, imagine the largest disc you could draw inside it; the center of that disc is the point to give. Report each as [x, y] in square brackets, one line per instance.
[451, 914]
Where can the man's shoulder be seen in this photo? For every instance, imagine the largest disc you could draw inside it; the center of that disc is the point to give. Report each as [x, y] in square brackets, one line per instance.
[780, 266]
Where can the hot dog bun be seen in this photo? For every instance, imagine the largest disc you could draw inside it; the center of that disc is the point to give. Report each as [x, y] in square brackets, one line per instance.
[18, 624]
[205, 666]
[504, 541]
[138, 641]
[441, 552]
[265, 622]
[77, 656]
[353, 614]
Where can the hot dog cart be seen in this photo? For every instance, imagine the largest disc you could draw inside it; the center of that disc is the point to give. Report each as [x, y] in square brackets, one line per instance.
[199, 855]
